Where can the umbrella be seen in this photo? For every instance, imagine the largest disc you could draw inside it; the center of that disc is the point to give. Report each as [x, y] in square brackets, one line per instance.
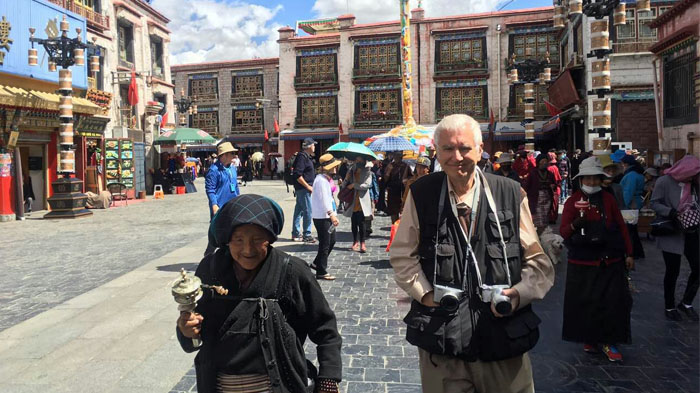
[184, 136]
[257, 156]
[351, 150]
[392, 143]
[192, 159]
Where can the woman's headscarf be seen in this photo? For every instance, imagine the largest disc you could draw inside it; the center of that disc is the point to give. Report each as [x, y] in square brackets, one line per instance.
[247, 209]
[685, 168]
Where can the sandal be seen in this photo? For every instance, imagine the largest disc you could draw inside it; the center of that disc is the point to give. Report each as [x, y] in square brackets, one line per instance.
[326, 277]
[363, 249]
[355, 247]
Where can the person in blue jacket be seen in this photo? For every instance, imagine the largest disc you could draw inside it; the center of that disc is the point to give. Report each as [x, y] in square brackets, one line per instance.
[221, 182]
[632, 191]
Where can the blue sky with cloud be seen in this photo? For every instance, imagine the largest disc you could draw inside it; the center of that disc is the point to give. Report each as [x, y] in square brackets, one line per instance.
[214, 30]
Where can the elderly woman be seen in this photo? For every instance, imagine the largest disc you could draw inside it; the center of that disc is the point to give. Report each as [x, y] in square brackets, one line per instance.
[677, 193]
[597, 302]
[250, 336]
[359, 179]
[323, 212]
[541, 187]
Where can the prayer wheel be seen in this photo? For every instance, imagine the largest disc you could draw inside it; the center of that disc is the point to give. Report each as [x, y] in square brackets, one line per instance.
[547, 74]
[600, 37]
[52, 66]
[541, 78]
[575, 7]
[529, 51]
[601, 145]
[67, 161]
[66, 134]
[600, 74]
[643, 6]
[78, 55]
[65, 106]
[65, 80]
[64, 25]
[601, 113]
[33, 57]
[530, 146]
[94, 64]
[529, 111]
[183, 119]
[514, 75]
[529, 91]
[529, 130]
[620, 17]
[559, 17]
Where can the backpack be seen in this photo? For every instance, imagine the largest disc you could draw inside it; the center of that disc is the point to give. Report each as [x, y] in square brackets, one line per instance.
[289, 179]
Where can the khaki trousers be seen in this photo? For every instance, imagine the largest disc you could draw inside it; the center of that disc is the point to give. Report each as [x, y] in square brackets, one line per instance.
[446, 374]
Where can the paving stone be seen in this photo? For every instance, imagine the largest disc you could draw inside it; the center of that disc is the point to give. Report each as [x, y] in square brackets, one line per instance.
[382, 375]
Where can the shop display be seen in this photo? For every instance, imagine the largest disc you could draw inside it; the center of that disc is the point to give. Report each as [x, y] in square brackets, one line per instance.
[119, 162]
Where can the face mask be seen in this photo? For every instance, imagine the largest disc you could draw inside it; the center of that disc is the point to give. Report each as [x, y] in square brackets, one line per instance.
[563, 156]
[590, 190]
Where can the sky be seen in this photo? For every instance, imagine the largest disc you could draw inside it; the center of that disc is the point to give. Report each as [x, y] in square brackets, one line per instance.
[216, 30]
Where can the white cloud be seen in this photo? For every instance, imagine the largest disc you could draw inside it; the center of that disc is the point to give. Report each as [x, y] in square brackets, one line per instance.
[367, 11]
[214, 30]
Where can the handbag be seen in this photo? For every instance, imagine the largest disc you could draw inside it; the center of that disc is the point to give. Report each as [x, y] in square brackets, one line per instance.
[346, 195]
[663, 226]
[689, 219]
[631, 216]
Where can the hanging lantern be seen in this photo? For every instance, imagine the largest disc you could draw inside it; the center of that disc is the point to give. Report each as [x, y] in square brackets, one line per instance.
[575, 7]
[643, 6]
[79, 56]
[600, 37]
[620, 17]
[602, 113]
[547, 74]
[529, 91]
[600, 74]
[94, 64]
[64, 25]
[52, 66]
[33, 57]
[183, 119]
[559, 17]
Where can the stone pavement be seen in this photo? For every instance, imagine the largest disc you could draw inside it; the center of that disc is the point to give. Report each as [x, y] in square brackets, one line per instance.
[117, 334]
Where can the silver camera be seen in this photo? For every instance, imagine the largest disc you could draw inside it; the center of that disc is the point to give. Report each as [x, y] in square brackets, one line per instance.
[447, 297]
[494, 294]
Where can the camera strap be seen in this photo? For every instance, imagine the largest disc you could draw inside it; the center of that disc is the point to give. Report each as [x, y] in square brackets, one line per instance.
[492, 205]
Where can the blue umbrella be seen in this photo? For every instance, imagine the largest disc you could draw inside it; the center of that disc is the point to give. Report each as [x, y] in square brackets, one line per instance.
[191, 159]
[392, 143]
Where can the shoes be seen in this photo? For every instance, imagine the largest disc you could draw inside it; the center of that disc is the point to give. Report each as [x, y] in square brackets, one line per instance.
[297, 239]
[688, 311]
[355, 247]
[612, 353]
[588, 348]
[363, 248]
[309, 240]
[673, 315]
[327, 277]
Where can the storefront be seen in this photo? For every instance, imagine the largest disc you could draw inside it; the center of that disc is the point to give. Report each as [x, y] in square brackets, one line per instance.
[90, 152]
[292, 140]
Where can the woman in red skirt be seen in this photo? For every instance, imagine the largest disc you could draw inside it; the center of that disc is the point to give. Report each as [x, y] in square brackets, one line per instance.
[597, 301]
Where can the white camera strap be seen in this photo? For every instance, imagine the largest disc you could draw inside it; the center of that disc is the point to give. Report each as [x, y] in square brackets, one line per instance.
[492, 204]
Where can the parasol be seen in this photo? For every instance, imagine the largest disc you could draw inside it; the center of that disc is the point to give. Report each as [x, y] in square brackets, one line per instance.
[184, 136]
[392, 143]
[257, 156]
[351, 150]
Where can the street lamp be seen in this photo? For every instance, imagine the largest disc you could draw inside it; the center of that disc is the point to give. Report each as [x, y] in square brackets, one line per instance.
[68, 200]
[528, 72]
[185, 105]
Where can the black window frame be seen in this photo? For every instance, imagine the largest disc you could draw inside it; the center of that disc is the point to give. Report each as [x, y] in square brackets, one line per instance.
[679, 68]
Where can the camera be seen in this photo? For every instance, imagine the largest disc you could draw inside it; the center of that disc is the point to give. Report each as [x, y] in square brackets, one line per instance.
[494, 294]
[447, 297]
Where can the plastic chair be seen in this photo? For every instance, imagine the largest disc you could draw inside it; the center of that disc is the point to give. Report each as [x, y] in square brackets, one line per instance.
[118, 190]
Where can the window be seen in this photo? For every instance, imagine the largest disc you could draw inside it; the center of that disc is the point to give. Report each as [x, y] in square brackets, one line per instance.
[247, 120]
[628, 30]
[89, 4]
[459, 52]
[539, 43]
[378, 106]
[317, 68]
[317, 111]
[157, 57]
[678, 93]
[248, 86]
[540, 96]
[128, 114]
[378, 58]
[204, 89]
[468, 100]
[207, 120]
[644, 18]
[126, 44]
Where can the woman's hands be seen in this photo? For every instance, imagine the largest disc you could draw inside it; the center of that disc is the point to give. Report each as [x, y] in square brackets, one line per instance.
[629, 263]
[190, 324]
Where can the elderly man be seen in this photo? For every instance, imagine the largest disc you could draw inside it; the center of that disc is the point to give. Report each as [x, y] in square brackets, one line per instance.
[470, 317]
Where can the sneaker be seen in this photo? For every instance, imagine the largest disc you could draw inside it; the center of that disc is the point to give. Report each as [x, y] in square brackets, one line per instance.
[297, 239]
[588, 348]
[612, 353]
[688, 311]
[673, 315]
[309, 239]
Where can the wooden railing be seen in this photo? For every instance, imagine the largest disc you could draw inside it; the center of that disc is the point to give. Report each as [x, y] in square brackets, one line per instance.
[316, 122]
[315, 80]
[369, 119]
[635, 46]
[461, 66]
[247, 129]
[94, 19]
[250, 95]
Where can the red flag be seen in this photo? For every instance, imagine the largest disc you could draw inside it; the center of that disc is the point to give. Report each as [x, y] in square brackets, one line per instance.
[266, 136]
[277, 127]
[164, 120]
[340, 128]
[133, 90]
[553, 110]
